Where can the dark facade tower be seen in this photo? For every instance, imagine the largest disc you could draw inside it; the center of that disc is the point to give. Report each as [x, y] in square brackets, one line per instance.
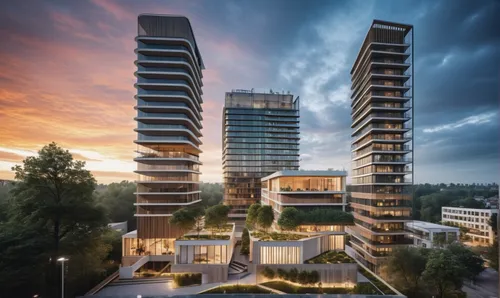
[260, 136]
[168, 119]
[382, 142]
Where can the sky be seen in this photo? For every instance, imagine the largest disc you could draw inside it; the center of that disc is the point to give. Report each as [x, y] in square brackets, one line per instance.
[67, 75]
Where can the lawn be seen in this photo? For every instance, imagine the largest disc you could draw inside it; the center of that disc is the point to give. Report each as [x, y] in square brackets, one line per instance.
[331, 257]
[274, 236]
[237, 289]
[288, 288]
[204, 237]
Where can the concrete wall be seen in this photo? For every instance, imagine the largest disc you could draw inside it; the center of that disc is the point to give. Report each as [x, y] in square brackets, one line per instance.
[307, 248]
[338, 275]
[212, 273]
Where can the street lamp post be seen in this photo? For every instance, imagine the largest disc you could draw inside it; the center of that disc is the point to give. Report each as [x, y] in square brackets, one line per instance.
[62, 260]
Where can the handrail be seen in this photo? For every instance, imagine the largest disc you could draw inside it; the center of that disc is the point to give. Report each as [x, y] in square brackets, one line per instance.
[103, 283]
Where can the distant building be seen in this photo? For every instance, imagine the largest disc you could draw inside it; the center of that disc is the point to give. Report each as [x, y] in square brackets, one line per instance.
[5, 182]
[427, 235]
[260, 135]
[476, 220]
[119, 226]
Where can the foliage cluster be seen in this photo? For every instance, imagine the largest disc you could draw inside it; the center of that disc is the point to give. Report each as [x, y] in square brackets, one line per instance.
[331, 257]
[428, 199]
[237, 289]
[288, 288]
[187, 279]
[259, 216]
[302, 277]
[54, 198]
[245, 242]
[214, 218]
[419, 272]
[290, 218]
[274, 236]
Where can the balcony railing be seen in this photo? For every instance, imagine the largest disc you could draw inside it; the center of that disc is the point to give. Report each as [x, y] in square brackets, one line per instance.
[147, 167]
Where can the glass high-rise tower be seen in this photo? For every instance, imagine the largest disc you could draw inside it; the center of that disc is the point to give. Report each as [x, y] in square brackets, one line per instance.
[382, 142]
[260, 136]
[169, 73]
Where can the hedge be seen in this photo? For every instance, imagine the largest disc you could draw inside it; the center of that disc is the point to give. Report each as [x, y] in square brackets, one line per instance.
[187, 279]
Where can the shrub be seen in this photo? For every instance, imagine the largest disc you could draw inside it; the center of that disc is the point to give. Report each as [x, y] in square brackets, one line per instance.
[293, 274]
[268, 273]
[302, 277]
[283, 274]
[365, 288]
[187, 279]
[245, 243]
[243, 289]
[292, 289]
[313, 277]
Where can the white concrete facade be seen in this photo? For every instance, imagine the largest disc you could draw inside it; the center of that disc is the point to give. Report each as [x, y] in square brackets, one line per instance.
[476, 220]
[425, 233]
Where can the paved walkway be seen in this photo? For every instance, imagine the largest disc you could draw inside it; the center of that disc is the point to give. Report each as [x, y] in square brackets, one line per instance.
[486, 285]
[166, 288]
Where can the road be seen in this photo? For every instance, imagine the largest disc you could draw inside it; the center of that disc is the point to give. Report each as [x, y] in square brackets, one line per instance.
[486, 285]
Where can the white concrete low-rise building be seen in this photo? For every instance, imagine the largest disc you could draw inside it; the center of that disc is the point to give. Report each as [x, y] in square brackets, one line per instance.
[476, 220]
[428, 235]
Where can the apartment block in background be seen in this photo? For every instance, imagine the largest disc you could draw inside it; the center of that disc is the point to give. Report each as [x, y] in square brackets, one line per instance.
[169, 73]
[382, 168]
[475, 220]
[260, 136]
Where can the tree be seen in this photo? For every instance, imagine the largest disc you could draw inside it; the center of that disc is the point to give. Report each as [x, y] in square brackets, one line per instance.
[492, 255]
[405, 267]
[253, 211]
[198, 214]
[472, 262]
[216, 216]
[289, 218]
[265, 217]
[493, 222]
[55, 192]
[211, 193]
[184, 219]
[443, 272]
[118, 200]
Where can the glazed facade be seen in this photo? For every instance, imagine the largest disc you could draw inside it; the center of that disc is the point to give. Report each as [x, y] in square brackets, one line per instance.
[169, 98]
[382, 142]
[304, 190]
[260, 136]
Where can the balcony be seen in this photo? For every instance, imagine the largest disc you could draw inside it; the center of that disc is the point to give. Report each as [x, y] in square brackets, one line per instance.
[149, 167]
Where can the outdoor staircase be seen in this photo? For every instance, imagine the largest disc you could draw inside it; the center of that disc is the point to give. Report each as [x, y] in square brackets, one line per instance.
[237, 267]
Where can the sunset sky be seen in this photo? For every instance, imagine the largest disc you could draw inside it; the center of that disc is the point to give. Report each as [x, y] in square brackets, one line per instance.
[66, 75]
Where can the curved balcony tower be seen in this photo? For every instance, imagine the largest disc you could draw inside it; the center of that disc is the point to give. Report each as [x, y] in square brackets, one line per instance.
[382, 142]
[169, 73]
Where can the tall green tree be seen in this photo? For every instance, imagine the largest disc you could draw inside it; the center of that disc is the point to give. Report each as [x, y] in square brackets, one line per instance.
[405, 268]
[184, 219]
[265, 217]
[251, 219]
[217, 216]
[472, 262]
[443, 272]
[53, 195]
[289, 218]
